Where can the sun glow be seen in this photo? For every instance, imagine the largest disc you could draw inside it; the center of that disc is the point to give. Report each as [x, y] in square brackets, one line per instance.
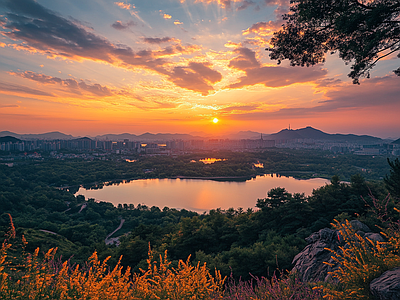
[215, 120]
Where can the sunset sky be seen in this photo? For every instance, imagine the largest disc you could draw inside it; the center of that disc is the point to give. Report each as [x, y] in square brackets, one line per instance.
[89, 67]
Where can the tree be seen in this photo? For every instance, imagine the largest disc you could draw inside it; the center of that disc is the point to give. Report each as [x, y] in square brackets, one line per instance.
[276, 197]
[392, 181]
[362, 31]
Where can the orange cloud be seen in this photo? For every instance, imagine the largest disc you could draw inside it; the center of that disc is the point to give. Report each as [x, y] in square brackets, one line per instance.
[15, 89]
[270, 76]
[167, 16]
[72, 85]
[177, 22]
[55, 36]
[197, 76]
[232, 45]
[263, 28]
[124, 5]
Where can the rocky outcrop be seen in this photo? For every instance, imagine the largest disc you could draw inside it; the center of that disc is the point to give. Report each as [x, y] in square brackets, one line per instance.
[309, 263]
[387, 286]
[314, 263]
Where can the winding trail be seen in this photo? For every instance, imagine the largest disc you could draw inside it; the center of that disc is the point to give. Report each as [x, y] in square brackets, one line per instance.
[109, 240]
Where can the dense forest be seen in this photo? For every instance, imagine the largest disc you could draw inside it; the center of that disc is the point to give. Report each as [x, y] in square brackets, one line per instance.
[289, 162]
[253, 242]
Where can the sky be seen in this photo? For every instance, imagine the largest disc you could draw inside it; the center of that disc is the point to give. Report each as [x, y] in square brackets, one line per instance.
[90, 67]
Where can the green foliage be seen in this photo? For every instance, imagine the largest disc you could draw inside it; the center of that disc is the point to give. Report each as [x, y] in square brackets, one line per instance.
[363, 32]
[392, 180]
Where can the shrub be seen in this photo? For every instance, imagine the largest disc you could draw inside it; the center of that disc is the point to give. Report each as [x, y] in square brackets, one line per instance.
[32, 277]
[286, 287]
[360, 261]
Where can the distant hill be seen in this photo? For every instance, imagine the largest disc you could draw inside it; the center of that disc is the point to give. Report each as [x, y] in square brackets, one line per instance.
[55, 135]
[315, 134]
[7, 139]
[117, 137]
[396, 141]
[285, 134]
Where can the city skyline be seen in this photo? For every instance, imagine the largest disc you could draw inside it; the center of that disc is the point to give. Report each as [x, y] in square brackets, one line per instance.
[95, 67]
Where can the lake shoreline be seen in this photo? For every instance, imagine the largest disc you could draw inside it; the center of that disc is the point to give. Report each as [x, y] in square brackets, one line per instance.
[217, 178]
[198, 194]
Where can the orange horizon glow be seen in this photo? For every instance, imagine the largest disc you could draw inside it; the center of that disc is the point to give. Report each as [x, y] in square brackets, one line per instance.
[197, 66]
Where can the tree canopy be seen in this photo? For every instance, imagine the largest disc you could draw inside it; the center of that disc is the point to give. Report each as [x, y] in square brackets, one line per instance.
[361, 31]
[392, 180]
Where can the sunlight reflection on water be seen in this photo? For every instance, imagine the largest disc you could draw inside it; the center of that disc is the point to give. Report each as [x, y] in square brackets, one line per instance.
[199, 195]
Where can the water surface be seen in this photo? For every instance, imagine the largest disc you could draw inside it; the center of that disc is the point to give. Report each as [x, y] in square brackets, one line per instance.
[199, 195]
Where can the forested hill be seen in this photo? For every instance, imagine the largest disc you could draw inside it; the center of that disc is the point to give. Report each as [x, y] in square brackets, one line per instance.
[244, 241]
[315, 134]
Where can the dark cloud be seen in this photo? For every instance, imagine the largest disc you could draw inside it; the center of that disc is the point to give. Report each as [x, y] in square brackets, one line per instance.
[197, 77]
[123, 26]
[245, 4]
[9, 105]
[245, 60]
[70, 84]
[157, 40]
[44, 30]
[378, 91]
[270, 76]
[226, 4]
[329, 82]
[279, 76]
[281, 9]
[14, 88]
[205, 71]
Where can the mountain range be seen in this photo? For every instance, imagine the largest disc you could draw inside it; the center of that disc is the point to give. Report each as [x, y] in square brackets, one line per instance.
[285, 134]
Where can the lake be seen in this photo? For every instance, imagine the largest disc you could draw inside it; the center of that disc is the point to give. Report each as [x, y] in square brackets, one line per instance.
[197, 194]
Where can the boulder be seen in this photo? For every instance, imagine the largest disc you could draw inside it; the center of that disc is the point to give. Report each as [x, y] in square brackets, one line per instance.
[315, 262]
[387, 286]
[359, 226]
[374, 237]
[309, 263]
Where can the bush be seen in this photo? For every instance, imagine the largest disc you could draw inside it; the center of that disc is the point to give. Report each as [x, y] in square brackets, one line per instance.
[360, 261]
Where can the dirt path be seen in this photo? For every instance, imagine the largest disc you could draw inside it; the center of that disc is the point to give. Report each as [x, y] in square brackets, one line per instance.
[109, 240]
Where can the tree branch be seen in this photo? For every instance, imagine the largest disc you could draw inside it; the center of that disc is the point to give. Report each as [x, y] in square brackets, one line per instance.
[362, 5]
[383, 56]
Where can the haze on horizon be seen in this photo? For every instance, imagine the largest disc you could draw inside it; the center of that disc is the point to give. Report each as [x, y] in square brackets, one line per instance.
[94, 67]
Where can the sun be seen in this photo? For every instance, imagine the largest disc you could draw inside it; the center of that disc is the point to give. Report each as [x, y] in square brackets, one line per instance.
[215, 120]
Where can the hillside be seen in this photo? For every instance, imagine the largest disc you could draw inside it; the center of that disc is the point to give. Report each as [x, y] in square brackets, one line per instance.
[315, 134]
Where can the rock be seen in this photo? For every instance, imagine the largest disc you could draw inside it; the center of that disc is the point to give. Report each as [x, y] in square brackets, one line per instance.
[309, 263]
[315, 261]
[374, 237]
[359, 226]
[387, 286]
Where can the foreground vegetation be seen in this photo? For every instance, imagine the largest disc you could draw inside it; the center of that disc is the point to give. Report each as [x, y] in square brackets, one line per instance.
[26, 276]
[250, 245]
[29, 277]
